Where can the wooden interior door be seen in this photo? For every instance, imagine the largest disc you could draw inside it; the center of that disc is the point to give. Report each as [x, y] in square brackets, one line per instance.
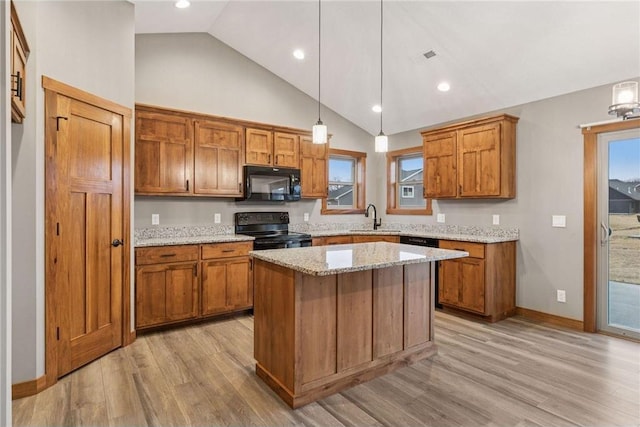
[85, 230]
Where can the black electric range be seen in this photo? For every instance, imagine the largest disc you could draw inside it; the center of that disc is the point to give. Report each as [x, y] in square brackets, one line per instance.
[270, 229]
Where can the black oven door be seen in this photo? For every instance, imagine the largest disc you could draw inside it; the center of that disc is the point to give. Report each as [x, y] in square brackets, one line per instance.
[263, 244]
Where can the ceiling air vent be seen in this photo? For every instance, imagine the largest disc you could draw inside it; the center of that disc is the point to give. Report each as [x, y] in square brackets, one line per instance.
[429, 54]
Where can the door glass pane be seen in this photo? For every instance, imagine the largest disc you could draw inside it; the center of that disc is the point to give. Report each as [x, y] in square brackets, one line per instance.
[623, 288]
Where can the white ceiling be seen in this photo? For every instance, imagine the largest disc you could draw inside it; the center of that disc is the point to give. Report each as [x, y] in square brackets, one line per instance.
[494, 54]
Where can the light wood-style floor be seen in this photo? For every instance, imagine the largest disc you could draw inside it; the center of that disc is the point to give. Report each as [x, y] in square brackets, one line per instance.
[513, 373]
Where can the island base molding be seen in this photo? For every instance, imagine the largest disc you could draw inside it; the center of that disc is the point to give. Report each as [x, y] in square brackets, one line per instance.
[344, 381]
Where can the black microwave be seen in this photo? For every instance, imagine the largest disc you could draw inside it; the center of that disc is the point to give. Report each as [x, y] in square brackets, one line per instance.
[267, 184]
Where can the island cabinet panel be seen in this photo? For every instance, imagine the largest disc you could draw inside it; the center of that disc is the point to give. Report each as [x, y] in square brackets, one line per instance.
[355, 319]
[218, 158]
[388, 294]
[316, 311]
[317, 335]
[417, 293]
[274, 326]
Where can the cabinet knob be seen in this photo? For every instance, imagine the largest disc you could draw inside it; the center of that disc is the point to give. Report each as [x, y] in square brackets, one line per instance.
[116, 243]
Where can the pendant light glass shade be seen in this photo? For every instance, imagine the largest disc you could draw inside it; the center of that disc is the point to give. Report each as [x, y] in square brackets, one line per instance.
[382, 143]
[319, 133]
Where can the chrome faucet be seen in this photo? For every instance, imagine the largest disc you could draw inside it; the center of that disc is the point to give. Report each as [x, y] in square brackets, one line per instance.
[376, 222]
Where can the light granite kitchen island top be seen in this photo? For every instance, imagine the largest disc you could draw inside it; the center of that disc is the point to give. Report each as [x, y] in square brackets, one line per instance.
[327, 260]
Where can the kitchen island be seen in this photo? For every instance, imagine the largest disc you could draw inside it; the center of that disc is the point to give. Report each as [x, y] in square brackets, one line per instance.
[330, 317]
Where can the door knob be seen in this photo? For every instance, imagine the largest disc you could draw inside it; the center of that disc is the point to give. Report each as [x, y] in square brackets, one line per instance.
[117, 243]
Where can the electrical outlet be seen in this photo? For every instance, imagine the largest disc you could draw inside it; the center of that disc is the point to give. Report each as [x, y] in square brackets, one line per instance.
[216, 218]
[561, 295]
[558, 221]
[496, 219]
[440, 218]
[306, 217]
[155, 219]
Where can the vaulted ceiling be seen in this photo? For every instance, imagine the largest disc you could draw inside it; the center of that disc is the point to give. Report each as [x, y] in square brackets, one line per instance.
[493, 54]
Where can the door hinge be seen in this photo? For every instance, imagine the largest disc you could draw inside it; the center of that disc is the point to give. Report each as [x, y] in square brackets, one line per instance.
[58, 334]
[58, 121]
[57, 228]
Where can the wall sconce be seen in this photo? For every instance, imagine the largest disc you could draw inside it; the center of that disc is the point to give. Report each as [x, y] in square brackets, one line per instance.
[625, 100]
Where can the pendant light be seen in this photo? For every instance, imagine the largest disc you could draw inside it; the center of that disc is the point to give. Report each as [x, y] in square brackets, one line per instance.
[319, 129]
[381, 141]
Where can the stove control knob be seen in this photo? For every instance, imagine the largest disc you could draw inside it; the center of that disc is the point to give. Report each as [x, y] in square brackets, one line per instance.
[284, 217]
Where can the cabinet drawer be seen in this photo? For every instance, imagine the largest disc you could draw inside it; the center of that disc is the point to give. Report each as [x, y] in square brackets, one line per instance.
[337, 240]
[476, 250]
[164, 254]
[226, 250]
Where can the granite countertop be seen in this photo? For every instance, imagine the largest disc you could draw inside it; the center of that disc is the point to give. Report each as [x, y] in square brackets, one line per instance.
[441, 235]
[191, 240]
[193, 235]
[327, 260]
[186, 235]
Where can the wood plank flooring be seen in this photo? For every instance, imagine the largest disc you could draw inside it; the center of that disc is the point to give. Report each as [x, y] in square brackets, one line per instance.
[512, 373]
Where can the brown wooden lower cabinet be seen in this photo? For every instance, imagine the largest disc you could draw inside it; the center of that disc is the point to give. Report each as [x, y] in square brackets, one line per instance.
[227, 283]
[482, 284]
[317, 335]
[179, 283]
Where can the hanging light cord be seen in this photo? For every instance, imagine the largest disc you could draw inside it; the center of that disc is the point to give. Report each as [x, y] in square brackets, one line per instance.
[381, 69]
[319, 55]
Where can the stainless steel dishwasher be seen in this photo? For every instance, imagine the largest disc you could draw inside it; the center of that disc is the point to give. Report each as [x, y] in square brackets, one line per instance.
[430, 243]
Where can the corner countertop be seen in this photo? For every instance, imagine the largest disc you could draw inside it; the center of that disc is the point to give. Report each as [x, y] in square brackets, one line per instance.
[193, 235]
[327, 260]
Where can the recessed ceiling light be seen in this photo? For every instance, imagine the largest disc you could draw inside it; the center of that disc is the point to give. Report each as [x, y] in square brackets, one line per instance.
[181, 4]
[298, 54]
[377, 108]
[444, 87]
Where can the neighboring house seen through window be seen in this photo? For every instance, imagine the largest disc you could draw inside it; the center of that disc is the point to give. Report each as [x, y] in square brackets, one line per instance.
[405, 185]
[346, 186]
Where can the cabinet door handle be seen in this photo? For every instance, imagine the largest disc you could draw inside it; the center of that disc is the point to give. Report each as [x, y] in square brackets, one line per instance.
[167, 255]
[240, 187]
[228, 250]
[269, 158]
[195, 270]
[187, 185]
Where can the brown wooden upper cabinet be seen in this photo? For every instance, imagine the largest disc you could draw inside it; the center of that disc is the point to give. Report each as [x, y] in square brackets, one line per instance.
[313, 166]
[218, 158]
[267, 148]
[164, 153]
[19, 54]
[474, 159]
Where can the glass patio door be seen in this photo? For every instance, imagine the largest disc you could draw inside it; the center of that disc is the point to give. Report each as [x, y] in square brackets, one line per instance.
[618, 298]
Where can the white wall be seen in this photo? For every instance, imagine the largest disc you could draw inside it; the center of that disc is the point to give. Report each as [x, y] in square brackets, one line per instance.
[88, 45]
[5, 222]
[196, 72]
[549, 182]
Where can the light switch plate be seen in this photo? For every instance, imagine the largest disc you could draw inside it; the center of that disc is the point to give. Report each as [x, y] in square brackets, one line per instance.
[216, 218]
[155, 219]
[561, 295]
[440, 218]
[496, 219]
[306, 217]
[558, 221]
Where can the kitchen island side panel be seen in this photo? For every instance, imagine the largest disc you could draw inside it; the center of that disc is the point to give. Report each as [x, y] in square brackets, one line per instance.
[274, 322]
